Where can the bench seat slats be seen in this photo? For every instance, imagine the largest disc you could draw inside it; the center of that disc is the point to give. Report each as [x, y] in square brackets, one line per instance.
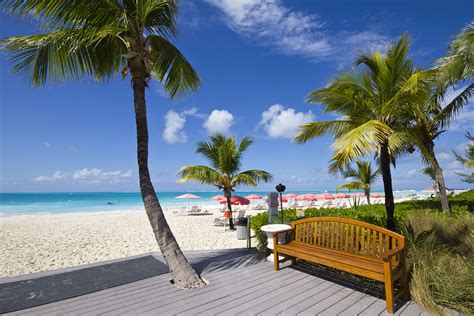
[330, 258]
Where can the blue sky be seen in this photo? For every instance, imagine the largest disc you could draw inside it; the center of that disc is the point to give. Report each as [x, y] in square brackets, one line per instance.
[257, 60]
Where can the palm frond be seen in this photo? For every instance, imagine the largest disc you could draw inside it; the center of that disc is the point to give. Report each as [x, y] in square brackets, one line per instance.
[168, 64]
[430, 172]
[360, 141]
[450, 111]
[251, 177]
[66, 54]
[316, 129]
[459, 63]
[202, 174]
[355, 185]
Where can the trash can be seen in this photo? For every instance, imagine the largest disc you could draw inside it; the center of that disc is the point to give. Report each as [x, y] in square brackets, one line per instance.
[242, 228]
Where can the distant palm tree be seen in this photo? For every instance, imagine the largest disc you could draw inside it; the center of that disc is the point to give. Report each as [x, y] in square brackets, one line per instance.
[467, 160]
[459, 62]
[364, 176]
[430, 172]
[225, 156]
[432, 121]
[98, 39]
[375, 103]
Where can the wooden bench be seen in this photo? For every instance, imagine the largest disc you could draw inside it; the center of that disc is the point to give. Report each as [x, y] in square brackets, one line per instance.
[352, 246]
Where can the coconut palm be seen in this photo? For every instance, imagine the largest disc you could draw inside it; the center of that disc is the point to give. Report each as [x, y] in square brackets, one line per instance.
[459, 62]
[96, 40]
[432, 121]
[430, 172]
[225, 156]
[375, 101]
[363, 176]
[467, 160]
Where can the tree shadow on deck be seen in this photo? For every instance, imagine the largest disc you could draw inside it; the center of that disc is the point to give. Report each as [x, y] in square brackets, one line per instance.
[228, 259]
[57, 286]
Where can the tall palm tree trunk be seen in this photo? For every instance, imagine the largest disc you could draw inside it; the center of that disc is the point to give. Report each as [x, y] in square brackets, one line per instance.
[228, 196]
[387, 185]
[367, 195]
[183, 274]
[440, 180]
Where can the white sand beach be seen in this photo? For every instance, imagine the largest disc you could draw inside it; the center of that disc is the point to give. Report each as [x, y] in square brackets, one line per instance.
[33, 243]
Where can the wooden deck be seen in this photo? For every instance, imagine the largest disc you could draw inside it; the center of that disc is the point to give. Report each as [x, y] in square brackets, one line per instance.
[240, 283]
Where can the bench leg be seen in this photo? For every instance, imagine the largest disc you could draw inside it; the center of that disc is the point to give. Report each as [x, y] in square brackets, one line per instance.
[293, 260]
[276, 263]
[388, 286]
[404, 284]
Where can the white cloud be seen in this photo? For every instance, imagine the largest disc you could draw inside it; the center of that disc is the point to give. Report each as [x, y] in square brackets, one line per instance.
[218, 122]
[174, 126]
[173, 132]
[95, 176]
[58, 175]
[281, 122]
[291, 32]
[412, 173]
[443, 156]
[46, 144]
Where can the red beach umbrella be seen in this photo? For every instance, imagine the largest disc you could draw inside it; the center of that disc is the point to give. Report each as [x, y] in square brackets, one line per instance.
[342, 195]
[188, 196]
[254, 197]
[377, 195]
[306, 197]
[237, 200]
[284, 200]
[360, 194]
[290, 196]
[325, 196]
[218, 198]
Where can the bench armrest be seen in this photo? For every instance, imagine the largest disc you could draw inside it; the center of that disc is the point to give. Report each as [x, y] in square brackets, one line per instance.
[275, 234]
[391, 253]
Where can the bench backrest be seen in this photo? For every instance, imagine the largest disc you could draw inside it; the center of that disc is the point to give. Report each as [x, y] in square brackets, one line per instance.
[347, 235]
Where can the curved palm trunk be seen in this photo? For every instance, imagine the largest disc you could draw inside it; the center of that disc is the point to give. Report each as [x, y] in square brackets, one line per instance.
[183, 274]
[228, 195]
[439, 180]
[367, 195]
[387, 186]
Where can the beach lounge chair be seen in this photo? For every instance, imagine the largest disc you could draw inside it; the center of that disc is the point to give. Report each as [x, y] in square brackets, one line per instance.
[240, 214]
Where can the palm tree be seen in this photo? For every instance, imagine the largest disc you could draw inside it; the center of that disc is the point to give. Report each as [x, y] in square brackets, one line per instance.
[363, 178]
[430, 172]
[459, 62]
[375, 101]
[225, 156]
[98, 39]
[467, 160]
[432, 121]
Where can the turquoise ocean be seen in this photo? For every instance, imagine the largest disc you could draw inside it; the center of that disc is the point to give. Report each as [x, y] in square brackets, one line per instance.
[69, 202]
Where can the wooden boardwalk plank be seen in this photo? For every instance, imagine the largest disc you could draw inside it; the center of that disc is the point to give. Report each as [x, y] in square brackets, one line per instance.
[240, 284]
[329, 301]
[358, 306]
[343, 304]
[308, 298]
[239, 295]
[295, 297]
[217, 286]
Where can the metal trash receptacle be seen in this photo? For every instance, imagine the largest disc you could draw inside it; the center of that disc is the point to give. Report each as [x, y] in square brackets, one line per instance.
[242, 228]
